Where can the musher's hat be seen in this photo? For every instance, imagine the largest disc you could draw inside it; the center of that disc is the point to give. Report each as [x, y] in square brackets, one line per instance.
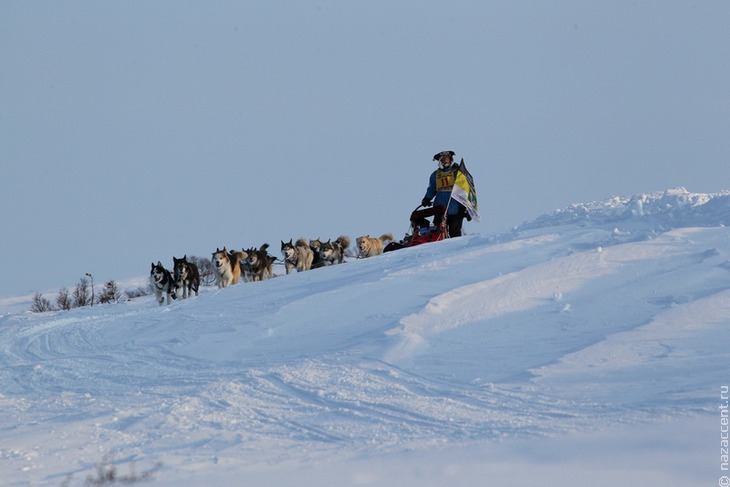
[438, 156]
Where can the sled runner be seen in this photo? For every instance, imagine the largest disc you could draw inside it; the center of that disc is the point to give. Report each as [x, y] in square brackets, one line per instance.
[422, 230]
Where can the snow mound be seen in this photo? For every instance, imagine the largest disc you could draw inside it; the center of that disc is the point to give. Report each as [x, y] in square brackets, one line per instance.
[657, 211]
[589, 319]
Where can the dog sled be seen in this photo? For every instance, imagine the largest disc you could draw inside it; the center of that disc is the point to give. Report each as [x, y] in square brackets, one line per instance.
[423, 230]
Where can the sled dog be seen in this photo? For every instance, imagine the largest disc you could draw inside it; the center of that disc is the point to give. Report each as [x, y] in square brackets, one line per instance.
[186, 276]
[162, 282]
[316, 246]
[297, 255]
[258, 264]
[334, 252]
[368, 246]
[227, 266]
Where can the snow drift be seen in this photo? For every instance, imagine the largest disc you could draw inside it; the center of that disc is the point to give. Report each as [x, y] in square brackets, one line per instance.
[579, 322]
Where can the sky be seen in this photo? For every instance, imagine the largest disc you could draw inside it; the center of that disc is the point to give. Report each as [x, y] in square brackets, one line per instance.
[132, 132]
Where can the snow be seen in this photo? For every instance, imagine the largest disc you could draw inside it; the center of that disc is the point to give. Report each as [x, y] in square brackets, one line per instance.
[588, 346]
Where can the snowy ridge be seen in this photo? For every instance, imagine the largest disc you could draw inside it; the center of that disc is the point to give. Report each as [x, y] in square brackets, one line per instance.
[663, 210]
[578, 322]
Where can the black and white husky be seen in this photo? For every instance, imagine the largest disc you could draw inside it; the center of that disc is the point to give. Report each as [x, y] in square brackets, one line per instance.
[162, 282]
[186, 276]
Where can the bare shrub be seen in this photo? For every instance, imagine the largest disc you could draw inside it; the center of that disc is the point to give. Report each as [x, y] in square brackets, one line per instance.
[106, 474]
[110, 293]
[138, 293]
[40, 304]
[205, 269]
[81, 295]
[63, 300]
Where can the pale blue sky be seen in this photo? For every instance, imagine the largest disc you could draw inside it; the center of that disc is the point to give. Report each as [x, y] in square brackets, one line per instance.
[134, 131]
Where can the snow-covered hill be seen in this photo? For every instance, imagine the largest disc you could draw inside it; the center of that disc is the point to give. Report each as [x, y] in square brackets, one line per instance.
[587, 346]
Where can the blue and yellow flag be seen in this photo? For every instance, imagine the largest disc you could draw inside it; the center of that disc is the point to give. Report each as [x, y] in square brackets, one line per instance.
[464, 191]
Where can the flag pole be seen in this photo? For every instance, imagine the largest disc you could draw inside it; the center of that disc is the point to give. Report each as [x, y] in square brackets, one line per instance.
[451, 195]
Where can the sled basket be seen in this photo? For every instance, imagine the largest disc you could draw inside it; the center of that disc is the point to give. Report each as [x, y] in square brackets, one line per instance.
[422, 230]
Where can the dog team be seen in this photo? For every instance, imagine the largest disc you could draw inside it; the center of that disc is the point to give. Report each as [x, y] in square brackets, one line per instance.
[185, 278]
[255, 264]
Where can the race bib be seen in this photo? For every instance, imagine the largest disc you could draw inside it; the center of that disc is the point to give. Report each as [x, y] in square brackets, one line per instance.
[444, 180]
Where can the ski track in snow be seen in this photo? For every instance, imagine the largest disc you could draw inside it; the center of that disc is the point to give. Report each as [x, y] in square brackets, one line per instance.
[545, 331]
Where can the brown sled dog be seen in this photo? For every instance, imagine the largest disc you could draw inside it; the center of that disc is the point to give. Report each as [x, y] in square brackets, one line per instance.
[368, 246]
[227, 266]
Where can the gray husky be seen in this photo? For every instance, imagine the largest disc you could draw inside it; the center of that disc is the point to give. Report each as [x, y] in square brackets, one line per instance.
[297, 255]
[258, 264]
[334, 252]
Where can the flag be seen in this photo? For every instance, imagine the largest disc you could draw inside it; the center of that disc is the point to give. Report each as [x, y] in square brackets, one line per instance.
[464, 191]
